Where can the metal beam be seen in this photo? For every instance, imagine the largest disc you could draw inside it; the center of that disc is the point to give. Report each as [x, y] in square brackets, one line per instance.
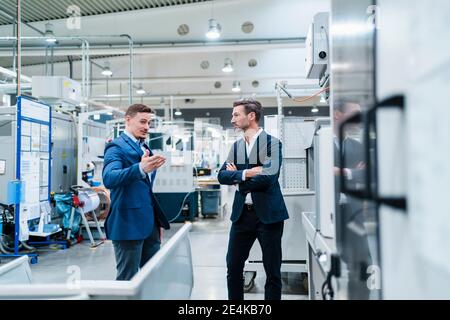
[8, 15]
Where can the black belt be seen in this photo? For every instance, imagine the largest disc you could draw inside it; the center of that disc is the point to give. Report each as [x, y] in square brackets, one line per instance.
[249, 207]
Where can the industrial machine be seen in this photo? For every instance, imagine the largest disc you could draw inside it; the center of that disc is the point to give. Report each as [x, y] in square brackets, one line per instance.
[405, 138]
[174, 186]
[390, 221]
[317, 47]
[64, 151]
[320, 223]
[57, 90]
[25, 182]
[85, 201]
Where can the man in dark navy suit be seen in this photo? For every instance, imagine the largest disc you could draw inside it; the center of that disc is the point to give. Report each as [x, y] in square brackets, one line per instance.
[253, 164]
[136, 221]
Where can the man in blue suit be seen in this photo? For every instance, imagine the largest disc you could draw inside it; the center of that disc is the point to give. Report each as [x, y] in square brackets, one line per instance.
[135, 221]
[259, 211]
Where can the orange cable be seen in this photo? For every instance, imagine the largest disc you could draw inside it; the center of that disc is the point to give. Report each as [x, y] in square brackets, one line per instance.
[314, 95]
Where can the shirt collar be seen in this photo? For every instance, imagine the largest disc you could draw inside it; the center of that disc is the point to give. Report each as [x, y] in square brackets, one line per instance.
[253, 139]
[133, 138]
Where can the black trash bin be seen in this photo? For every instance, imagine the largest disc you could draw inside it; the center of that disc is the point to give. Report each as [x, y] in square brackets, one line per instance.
[210, 202]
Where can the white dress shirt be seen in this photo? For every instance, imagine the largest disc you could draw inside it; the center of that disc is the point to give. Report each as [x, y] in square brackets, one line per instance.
[138, 142]
[249, 146]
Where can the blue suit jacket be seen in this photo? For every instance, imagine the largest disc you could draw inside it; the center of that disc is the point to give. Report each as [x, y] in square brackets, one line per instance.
[134, 209]
[264, 188]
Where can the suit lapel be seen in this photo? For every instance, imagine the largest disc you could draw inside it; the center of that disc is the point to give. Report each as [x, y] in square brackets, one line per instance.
[260, 144]
[241, 155]
[132, 144]
[136, 148]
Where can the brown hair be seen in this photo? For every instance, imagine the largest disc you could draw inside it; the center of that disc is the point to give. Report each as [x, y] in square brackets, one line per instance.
[136, 108]
[250, 105]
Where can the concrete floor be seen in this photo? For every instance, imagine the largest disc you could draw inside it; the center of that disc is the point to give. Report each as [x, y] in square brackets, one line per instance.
[209, 238]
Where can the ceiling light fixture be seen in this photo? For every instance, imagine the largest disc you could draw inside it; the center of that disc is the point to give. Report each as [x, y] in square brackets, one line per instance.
[315, 110]
[228, 66]
[236, 86]
[106, 70]
[49, 35]
[178, 112]
[140, 90]
[214, 29]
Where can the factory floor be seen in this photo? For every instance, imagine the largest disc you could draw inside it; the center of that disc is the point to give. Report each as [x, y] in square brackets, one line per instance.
[209, 238]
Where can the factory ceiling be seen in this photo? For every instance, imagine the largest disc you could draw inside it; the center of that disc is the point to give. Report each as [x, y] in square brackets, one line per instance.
[43, 10]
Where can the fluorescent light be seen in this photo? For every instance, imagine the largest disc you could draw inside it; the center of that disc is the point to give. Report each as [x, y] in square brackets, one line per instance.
[315, 110]
[236, 86]
[214, 29]
[228, 67]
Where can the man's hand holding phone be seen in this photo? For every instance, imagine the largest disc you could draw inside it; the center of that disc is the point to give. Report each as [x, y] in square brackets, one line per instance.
[151, 163]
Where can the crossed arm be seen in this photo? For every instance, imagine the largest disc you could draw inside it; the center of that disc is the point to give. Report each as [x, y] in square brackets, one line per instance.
[256, 179]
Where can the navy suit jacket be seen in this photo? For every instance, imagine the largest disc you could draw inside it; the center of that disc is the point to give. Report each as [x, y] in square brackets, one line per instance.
[264, 188]
[134, 208]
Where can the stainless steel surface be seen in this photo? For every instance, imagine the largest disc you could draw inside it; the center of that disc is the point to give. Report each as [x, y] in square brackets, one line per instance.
[352, 51]
[352, 80]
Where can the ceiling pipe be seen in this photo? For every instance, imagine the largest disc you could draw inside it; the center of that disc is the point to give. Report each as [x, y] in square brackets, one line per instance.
[13, 74]
[85, 55]
[175, 47]
[167, 80]
[299, 93]
[12, 87]
[86, 46]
